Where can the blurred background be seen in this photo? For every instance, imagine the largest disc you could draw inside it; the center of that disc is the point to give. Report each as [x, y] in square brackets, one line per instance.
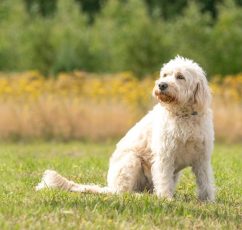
[84, 69]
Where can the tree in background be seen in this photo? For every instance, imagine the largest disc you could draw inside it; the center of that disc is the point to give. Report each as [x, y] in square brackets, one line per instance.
[120, 35]
[128, 39]
[13, 19]
[42, 7]
[165, 8]
[226, 41]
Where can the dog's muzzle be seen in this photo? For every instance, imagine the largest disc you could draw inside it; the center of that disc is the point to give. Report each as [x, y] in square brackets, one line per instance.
[161, 92]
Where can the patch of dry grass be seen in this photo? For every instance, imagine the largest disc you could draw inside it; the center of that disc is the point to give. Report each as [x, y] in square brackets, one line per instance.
[84, 106]
[227, 121]
[64, 119]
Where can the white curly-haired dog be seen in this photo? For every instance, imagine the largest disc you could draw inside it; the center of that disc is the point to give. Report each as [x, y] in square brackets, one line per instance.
[177, 133]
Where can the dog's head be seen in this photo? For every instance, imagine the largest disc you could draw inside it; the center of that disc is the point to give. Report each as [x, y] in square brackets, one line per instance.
[182, 82]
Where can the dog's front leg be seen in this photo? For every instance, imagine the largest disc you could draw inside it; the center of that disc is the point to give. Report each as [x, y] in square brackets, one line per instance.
[162, 172]
[204, 178]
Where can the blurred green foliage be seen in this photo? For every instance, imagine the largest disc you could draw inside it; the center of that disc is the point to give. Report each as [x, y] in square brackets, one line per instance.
[112, 35]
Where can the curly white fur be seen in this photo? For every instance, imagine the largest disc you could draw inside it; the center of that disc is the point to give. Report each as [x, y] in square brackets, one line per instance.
[177, 133]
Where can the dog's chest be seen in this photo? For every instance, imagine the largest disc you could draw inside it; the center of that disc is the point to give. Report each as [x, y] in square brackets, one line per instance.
[184, 130]
[185, 154]
[181, 139]
[173, 131]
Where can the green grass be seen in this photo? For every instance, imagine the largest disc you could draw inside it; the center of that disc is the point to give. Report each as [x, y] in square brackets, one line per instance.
[21, 207]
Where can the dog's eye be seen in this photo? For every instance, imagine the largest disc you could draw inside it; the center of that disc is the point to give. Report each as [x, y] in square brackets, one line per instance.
[180, 77]
[164, 75]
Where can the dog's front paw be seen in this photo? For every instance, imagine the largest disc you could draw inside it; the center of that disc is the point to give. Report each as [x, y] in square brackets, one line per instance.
[206, 197]
[207, 194]
[164, 195]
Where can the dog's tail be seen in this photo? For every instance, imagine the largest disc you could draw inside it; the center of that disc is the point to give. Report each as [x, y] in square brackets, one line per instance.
[52, 179]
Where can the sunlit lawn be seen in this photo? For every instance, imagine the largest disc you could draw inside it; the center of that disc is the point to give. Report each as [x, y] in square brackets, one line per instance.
[21, 207]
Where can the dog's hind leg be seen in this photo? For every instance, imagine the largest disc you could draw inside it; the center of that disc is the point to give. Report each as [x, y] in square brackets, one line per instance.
[126, 174]
[51, 179]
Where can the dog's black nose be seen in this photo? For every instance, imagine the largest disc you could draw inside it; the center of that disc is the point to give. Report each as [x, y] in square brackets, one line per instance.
[162, 86]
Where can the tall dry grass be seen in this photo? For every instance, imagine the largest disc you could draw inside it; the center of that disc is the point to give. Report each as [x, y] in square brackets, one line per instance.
[83, 106]
[64, 120]
[227, 121]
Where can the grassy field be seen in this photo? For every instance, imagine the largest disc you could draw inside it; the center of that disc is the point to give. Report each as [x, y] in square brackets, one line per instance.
[21, 207]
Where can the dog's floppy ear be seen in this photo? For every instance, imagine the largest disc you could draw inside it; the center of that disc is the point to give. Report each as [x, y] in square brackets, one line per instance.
[202, 95]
